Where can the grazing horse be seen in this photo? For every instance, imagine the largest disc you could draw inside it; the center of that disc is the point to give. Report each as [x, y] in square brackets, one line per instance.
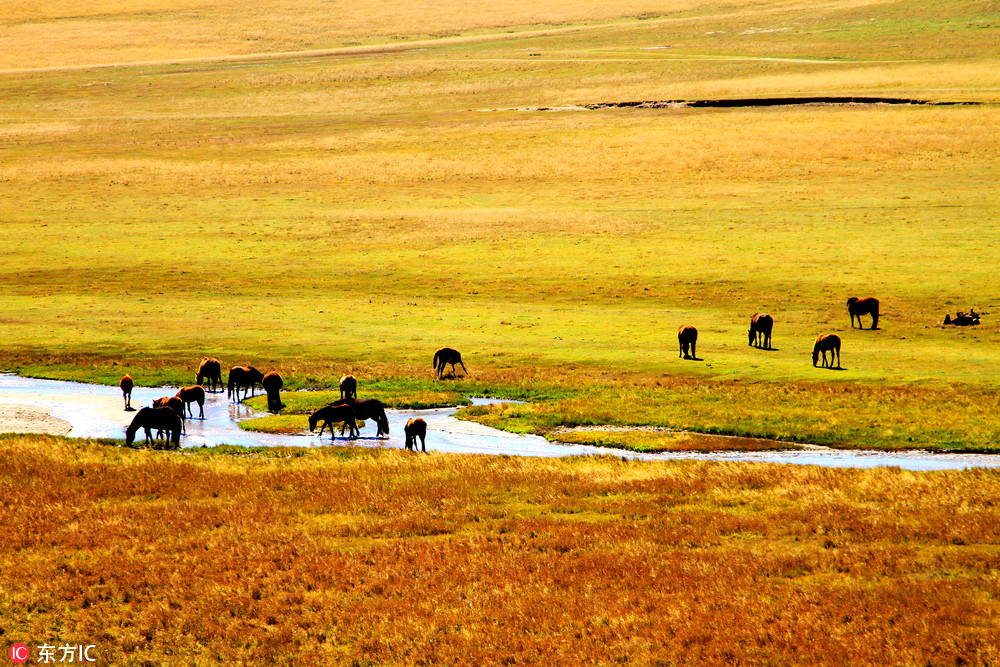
[447, 355]
[760, 330]
[367, 408]
[162, 419]
[827, 343]
[210, 370]
[245, 378]
[858, 307]
[126, 385]
[348, 387]
[415, 428]
[272, 384]
[175, 403]
[195, 394]
[332, 414]
[687, 337]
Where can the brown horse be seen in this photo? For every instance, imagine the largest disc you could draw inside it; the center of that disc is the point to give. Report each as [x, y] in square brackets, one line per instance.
[367, 408]
[245, 378]
[348, 387]
[272, 384]
[858, 307]
[687, 337]
[416, 428]
[126, 385]
[963, 319]
[162, 419]
[195, 394]
[760, 330]
[175, 403]
[447, 355]
[210, 370]
[332, 414]
[827, 343]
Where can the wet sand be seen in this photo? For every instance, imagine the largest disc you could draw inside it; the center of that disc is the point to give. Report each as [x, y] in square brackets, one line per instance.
[16, 418]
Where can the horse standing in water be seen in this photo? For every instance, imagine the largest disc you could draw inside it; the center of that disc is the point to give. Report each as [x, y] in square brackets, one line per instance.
[447, 355]
[416, 428]
[162, 419]
[367, 408]
[175, 403]
[245, 378]
[210, 370]
[858, 307]
[126, 385]
[826, 343]
[760, 330]
[272, 384]
[195, 394]
[332, 414]
[687, 337]
[348, 387]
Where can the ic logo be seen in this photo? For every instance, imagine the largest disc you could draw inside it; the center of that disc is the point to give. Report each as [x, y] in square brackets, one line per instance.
[19, 654]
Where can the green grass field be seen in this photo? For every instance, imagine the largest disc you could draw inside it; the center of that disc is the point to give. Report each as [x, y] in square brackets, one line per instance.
[356, 207]
[324, 187]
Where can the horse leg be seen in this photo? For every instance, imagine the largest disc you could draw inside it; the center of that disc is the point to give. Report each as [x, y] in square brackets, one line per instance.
[201, 409]
[694, 354]
[464, 369]
[423, 443]
[875, 320]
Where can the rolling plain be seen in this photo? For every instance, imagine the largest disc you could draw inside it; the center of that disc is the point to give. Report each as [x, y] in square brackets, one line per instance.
[322, 187]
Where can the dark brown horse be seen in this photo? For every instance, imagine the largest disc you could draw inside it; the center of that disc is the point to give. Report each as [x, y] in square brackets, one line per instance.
[447, 355]
[348, 387]
[195, 394]
[332, 414]
[858, 307]
[126, 385]
[175, 403]
[415, 428]
[687, 337]
[210, 370]
[760, 330]
[162, 419]
[367, 408]
[245, 378]
[272, 384]
[827, 343]
[963, 319]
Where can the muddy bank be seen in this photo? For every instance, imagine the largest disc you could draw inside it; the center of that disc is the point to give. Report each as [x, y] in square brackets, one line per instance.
[28, 419]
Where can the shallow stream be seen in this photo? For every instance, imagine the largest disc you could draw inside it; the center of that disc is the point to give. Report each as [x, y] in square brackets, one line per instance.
[96, 411]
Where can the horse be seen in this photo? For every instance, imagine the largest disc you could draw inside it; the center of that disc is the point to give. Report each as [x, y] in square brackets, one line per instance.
[195, 394]
[126, 385]
[210, 369]
[415, 428]
[858, 307]
[245, 378]
[447, 355]
[826, 343]
[367, 408]
[348, 387]
[175, 403]
[332, 414]
[963, 319]
[760, 330]
[272, 384]
[687, 337]
[162, 419]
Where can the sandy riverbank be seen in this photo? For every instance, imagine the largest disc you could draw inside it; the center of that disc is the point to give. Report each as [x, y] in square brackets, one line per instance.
[42, 413]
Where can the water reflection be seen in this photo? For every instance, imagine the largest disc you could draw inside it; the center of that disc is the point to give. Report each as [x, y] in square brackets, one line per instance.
[90, 412]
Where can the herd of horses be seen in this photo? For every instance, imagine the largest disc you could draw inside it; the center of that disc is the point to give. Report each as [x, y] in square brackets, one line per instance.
[761, 325]
[168, 414]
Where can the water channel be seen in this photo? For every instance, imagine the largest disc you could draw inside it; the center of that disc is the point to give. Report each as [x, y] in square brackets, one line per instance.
[96, 411]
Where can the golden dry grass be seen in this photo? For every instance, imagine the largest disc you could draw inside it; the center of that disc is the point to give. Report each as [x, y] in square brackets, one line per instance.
[382, 557]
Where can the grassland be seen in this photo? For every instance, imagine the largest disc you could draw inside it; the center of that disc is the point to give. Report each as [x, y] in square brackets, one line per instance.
[323, 187]
[359, 556]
